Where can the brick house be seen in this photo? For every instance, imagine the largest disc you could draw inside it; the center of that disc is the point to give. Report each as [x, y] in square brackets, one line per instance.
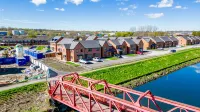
[131, 46]
[197, 39]
[184, 40]
[139, 44]
[174, 41]
[167, 41]
[119, 46]
[148, 43]
[158, 42]
[62, 45]
[54, 41]
[194, 40]
[24, 41]
[106, 49]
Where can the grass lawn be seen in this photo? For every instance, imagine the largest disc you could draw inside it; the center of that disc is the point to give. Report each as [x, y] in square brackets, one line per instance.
[12, 93]
[4, 46]
[131, 54]
[73, 64]
[40, 48]
[112, 58]
[119, 74]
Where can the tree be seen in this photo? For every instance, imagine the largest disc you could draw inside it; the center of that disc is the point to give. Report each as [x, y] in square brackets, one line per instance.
[194, 33]
[9, 33]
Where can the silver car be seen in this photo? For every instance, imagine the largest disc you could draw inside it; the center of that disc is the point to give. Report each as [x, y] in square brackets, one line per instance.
[97, 59]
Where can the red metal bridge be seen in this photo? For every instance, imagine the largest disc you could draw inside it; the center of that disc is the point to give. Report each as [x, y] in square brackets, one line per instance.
[88, 95]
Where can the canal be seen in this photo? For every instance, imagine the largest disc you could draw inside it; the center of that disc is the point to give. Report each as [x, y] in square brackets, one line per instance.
[182, 86]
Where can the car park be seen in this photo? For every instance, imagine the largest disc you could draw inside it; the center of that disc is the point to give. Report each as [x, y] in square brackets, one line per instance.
[97, 59]
[84, 61]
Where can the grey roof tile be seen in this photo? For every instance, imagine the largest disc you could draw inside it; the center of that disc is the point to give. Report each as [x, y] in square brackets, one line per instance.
[90, 44]
[130, 41]
[66, 41]
[137, 41]
[165, 38]
[157, 39]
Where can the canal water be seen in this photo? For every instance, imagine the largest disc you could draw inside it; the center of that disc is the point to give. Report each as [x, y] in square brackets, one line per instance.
[182, 86]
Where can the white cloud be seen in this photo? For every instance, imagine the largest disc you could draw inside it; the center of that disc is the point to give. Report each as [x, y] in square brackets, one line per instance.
[121, 3]
[59, 9]
[197, 1]
[130, 13]
[163, 3]
[40, 10]
[180, 7]
[38, 2]
[123, 9]
[153, 6]
[94, 0]
[154, 15]
[133, 6]
[77, 2]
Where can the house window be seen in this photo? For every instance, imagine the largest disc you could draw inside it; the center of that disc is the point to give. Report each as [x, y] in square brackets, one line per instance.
[105, 49]
[97, 49]
[124, 47]
[76, 51]
[81, 50]
[89, 49]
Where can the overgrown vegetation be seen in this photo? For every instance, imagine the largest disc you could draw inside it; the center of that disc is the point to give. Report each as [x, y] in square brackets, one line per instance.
[124, 73]
[39, 48]
[12, 93]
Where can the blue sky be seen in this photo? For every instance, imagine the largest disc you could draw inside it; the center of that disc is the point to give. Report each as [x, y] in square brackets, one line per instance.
[117, 15]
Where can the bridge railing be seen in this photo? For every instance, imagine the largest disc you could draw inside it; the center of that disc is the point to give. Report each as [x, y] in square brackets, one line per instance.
[129, 100]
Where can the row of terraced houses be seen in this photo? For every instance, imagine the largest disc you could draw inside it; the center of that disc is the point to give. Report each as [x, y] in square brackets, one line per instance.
[68, 49]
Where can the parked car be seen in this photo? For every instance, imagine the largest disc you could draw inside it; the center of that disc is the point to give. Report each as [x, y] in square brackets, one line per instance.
[118, 55]
[97, 59]
[84, 61]
[160, 48]
[173, 51]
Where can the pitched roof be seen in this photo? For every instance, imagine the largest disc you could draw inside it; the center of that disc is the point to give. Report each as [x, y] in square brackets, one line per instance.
[157, 39]
[66, 41]
[197, 37]
[71, 45]
[130, 41]
[55, 39]
[101, 42]
[186, 37]
[166, 39]
[91, 37]
[90, 44]
[112, 38]
[147, 39]
[173, 38]
[116, 42]
[193, 38]
[137, 41]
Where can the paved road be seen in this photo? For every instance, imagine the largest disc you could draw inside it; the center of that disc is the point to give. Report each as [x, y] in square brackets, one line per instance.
[106, 64]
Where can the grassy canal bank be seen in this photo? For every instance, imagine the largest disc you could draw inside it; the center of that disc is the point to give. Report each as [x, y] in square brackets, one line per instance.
[135, 74]
[34, 97]
[30, 98]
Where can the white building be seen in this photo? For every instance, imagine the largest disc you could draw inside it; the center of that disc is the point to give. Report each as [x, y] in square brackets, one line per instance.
[18, 32]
